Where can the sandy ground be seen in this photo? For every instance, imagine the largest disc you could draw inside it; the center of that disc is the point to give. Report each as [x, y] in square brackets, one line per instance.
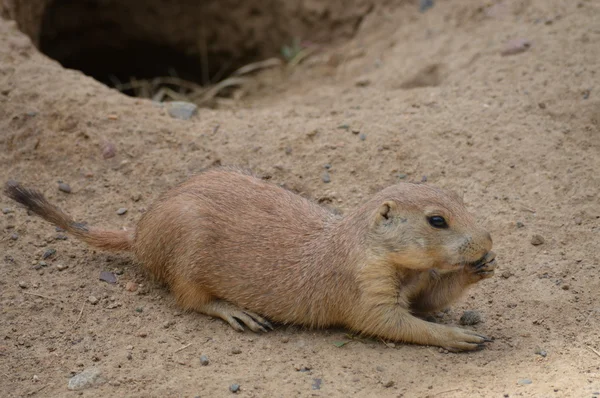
[411, 95]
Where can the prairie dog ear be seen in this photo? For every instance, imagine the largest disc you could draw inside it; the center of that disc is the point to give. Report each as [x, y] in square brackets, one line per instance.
[386, 211]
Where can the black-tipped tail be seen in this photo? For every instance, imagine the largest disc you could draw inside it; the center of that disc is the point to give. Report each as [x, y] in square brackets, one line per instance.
[36, 202]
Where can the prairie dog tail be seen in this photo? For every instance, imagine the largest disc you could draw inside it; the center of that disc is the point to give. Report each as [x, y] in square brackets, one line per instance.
[36, 202]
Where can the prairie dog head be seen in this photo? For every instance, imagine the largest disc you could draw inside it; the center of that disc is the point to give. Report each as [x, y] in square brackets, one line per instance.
[422, 227]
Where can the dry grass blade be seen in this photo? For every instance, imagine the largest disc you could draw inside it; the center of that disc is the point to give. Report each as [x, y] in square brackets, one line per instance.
[447, 391]
[301, 56]
[39, 295]
[267, 63]
[79, 317]
[183, 348]
[163, 92]
[593, 350]
[176, 81]
[214, 91]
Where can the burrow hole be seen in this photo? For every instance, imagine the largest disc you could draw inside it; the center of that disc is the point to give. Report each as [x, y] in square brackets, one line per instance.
[158, 48]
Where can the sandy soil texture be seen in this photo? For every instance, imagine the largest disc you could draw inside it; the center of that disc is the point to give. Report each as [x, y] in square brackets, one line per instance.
[498, 100]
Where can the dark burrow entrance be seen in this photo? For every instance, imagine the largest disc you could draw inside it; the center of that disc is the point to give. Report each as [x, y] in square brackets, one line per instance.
[145, 47]
[126, 43]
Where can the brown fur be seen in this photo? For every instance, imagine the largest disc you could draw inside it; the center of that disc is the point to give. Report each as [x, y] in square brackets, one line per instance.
[228, 243]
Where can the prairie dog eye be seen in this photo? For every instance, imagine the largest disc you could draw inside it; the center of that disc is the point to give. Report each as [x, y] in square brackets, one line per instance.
[437, 222]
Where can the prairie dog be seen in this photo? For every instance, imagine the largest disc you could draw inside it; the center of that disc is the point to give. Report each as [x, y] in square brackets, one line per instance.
[232, 246]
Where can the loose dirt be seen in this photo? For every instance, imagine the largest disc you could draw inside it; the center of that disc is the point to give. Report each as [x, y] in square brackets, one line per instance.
[451, 95]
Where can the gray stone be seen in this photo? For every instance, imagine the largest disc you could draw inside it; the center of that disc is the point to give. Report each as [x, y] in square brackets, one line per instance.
[91, 377]
[204, 360]
[425, 5]
[64, 187]
[182, 110]
[537, 240]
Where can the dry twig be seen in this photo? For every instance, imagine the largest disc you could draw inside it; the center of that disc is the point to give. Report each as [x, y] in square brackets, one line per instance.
[79, 317]
[183, 348]
[593, 350]
[39, 295]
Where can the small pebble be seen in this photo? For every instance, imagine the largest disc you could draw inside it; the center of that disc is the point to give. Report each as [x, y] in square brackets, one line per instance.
[425, 5]
[204, 360]
[565, 287]
[234, 388]
[108, 277]
[109, 150]
[363, 82]
[516, 46]
[303, 369]
[182, 110]
[388, 384]
[537, 240]
[524, 382]
[362, 136]
[7, 210]
[48, 253]
[92, 300]
[325, 177]
[327, 166]
[168, 324]
[61, 267]
[317, 384]
[131, 286]
[520, 224]
[122, 211]
[470, 318]
[23, 285]
[541, 352]
[129, 356]
[64, 187]
[14, 236]
[506, 274]
[586, 94]
[236, 350]
[88, 378]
